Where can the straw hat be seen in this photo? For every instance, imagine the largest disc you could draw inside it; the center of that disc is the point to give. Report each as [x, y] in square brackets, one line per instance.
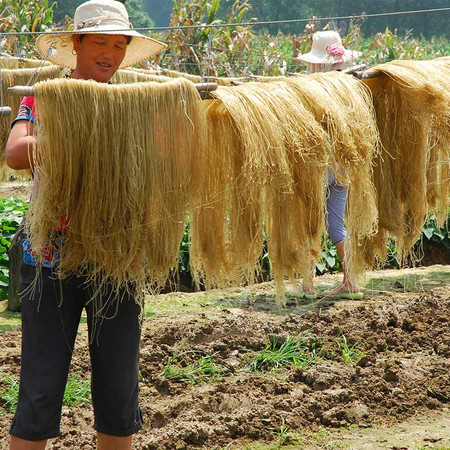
[327, 48]
[98, 16]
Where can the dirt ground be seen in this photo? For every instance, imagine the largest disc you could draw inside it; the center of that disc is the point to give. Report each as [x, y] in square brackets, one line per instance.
[393, 394]
[16, 189]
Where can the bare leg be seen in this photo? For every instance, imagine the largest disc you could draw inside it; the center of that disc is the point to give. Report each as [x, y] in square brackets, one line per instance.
[346, 283]
[22, 444]
[308, 283]
[108, 442]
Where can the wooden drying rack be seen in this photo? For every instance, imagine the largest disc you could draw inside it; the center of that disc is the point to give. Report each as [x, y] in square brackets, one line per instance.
[359, 71]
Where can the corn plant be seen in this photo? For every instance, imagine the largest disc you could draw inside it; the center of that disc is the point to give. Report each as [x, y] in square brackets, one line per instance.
[26, 17]
[195, 50]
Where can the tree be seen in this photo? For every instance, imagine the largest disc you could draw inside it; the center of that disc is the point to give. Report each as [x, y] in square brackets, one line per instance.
[159, 11]
[138, 16]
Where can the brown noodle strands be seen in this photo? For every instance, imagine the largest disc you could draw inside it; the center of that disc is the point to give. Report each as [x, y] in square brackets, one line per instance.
[21, 63]
[242, 126]
[134, 76]
[18, 77]
[438, 174]
[412, 110]
[210, 259]
[170, 74]
[294, 218]
[343, 106]
[221, 81]
[121, 168]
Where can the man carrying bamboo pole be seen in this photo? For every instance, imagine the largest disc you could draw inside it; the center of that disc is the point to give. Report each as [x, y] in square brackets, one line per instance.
[102, 43]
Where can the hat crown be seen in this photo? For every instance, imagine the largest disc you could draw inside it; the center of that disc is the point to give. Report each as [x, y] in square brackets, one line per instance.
[101, 12]
[323, 39]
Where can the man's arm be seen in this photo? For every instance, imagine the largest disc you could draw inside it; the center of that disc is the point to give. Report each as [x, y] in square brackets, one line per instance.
[19, 148]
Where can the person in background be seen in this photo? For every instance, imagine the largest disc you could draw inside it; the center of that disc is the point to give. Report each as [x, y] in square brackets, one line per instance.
[102, 43]
[327, 53]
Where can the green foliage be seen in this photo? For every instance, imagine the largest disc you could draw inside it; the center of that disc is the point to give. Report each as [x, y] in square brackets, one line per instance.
[77, 391]
[284, 433]
[137, 11]
[330, 260]
[11, 214]
[295, 351]
[138, 16]
[348, 354]
[184, 368]
[23, 16]
[246, 50]
[183, 259]
[432, 233]
[9, 393]
[428, 25]
[195, 50]
[159, 11]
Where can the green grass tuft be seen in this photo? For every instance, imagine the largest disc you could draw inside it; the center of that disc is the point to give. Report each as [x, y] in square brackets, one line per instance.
[178, 368]
[293, 352]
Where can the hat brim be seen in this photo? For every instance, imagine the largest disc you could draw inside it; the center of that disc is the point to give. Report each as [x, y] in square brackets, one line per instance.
[57, 48]
[317, 57]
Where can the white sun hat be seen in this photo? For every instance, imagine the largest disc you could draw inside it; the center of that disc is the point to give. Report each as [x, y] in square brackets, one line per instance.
[98, 16]
[327, 48]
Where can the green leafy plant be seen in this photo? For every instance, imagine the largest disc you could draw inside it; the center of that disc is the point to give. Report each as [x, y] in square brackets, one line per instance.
[295, 351]
[23, 16]
[348, 354]
[9, 392]
[77, 391]
[284, 435]
[183, 368]
[11, 214]
[330, 260]
[432, 233]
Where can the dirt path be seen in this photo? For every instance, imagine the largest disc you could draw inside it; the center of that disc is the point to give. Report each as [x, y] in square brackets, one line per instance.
[394, 392]
[16, 189]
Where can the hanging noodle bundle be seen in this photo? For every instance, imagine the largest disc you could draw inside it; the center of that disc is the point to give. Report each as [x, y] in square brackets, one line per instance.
[18, 77]
[116, 170]
[272, 143]
[134, 76]
[343, 106]
[245, 145]
[411, 99]
[169, 74]
[294, 218]
[221, 81]
[211, 259]
[21, 63]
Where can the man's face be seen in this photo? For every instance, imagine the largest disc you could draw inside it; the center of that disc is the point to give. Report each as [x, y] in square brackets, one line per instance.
[98, 56]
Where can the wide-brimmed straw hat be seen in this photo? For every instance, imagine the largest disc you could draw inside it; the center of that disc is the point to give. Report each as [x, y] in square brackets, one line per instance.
[327, 48]
[98, 16]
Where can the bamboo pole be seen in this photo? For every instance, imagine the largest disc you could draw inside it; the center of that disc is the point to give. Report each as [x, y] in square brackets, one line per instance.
[5, 111]
[28, 91]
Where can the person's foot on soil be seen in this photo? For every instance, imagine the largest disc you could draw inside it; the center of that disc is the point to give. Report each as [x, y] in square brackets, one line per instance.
[307, 291]
[345, 290]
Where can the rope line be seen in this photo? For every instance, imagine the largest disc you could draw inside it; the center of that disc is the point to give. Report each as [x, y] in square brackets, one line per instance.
[247, 24]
